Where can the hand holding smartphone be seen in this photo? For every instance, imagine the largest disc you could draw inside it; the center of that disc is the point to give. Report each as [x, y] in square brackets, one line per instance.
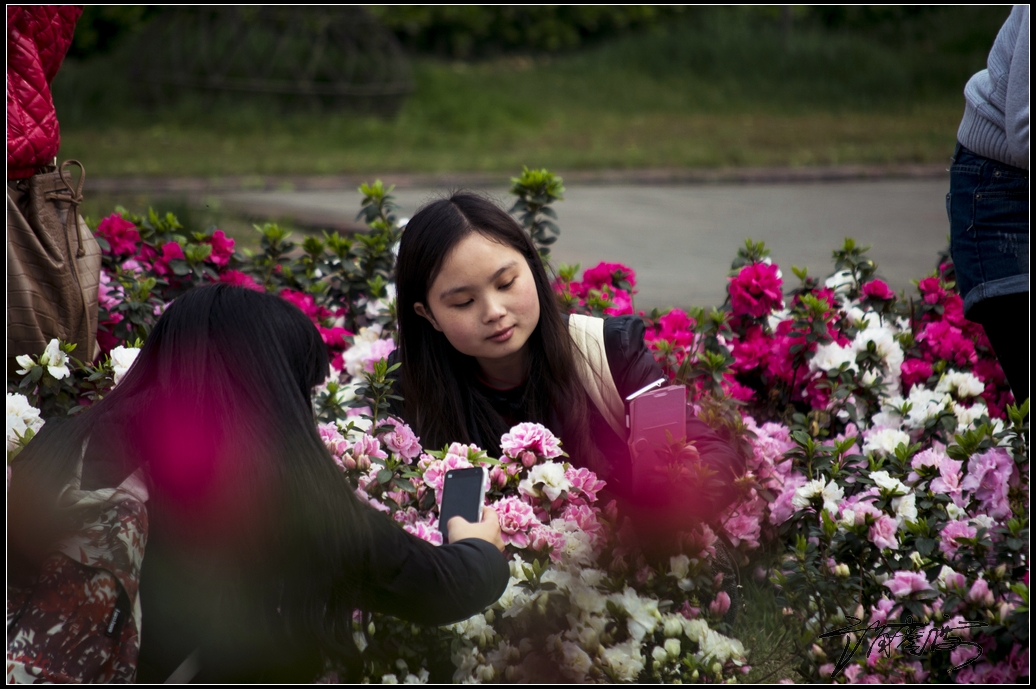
[463, 494]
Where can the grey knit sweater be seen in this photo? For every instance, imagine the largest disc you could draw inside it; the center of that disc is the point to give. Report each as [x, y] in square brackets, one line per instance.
[996, 117]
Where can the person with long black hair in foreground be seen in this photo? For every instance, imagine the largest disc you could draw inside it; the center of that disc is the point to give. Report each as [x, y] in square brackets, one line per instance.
[258, 554]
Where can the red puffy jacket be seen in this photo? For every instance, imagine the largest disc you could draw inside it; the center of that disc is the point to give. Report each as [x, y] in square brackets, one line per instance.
[38, 37]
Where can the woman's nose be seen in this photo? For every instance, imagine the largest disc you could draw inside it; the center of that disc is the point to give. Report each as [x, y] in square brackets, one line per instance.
[495, 310]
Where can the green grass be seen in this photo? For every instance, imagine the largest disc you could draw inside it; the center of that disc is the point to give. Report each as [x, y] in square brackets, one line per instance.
[712, 90]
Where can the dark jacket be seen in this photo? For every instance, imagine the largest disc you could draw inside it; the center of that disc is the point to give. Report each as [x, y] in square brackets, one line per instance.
[632, 367]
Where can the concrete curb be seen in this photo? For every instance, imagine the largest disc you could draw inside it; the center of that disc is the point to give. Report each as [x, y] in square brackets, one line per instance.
[761, 175]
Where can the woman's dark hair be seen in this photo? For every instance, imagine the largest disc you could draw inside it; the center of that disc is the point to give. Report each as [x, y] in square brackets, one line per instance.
[216, 411]
[440, 396]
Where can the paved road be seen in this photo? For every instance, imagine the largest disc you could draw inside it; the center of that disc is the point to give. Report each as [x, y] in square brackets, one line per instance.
[681, 239]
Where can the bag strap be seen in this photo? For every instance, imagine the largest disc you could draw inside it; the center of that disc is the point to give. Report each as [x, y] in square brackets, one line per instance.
[594, 373]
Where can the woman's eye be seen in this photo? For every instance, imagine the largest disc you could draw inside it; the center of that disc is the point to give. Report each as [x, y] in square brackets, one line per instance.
[469, 302]
[508, 285]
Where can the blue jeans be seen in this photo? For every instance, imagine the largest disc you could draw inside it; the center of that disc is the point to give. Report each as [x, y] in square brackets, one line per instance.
[988, 206]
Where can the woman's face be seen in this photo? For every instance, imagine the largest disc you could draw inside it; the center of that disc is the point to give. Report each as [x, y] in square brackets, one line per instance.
[484, 301]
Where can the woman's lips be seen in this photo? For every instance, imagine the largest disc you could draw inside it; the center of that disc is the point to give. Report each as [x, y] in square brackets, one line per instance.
[502, 336]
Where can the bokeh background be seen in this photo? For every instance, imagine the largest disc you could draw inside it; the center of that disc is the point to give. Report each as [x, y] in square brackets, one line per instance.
[214, 112]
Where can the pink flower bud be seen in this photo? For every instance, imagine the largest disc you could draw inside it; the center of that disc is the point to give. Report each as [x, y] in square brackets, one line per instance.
[720, 606]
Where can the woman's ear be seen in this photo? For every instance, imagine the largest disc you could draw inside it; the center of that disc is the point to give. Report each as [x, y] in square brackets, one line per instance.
[420, 310]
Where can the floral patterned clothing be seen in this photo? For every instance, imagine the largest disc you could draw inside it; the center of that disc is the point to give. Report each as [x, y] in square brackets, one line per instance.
[80, 621]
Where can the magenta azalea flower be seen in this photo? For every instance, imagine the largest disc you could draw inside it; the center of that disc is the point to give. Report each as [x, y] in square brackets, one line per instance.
[914, 371]
[222, 248]
[877, 289]
[608, 274]
[756, 291]
[121, 234]
[239, 279]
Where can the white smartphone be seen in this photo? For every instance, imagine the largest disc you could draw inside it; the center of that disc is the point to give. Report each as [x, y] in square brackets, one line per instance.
[652, 412]
[463, 495]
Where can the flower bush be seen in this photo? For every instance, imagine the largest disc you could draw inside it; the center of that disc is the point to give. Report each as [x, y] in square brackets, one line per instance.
[884, 508]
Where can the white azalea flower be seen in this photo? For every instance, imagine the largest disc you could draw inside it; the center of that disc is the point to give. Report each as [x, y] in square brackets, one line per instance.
[576, 663]
[841, 282]
[672, 648]
[885, 441]
[887, 483]
[643, 612]
[122, 359]
[679, 566]
[980, 521]
[720, 648]
[55, 360]
[925, 404]
[551, 475]
[804, 494]
[624, 659]
[954, 512]
[832, 356]
[960, 383]
[905, 508]
[967, 416]
[25, 361]
[832, 495]
[21, 418]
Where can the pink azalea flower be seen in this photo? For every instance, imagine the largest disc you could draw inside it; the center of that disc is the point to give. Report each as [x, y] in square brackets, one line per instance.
[756, 291]
[743, 528]
[951, 531]
[380, 349]
[222, 248]
[531, 437]
[877, 289]
[905, 583]
[435, 474]
[989, 477]
[782, 509]
[720, 605]
[585, 484]
[424, 531]
[121, 234]
[236, 277]
[881, 610]
[883, 533]
[584, 517]
[948, 480]
[543, 537]
[699, 541]
[367, 447]
[516, 520]
[402, 441]
[980, 593]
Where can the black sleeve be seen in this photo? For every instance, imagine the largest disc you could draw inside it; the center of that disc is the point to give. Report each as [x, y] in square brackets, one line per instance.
[420, 582]
[633, 366]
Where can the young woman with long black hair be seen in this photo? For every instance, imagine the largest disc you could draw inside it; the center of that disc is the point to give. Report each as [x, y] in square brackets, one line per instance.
[258, 552]
[483, 345]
